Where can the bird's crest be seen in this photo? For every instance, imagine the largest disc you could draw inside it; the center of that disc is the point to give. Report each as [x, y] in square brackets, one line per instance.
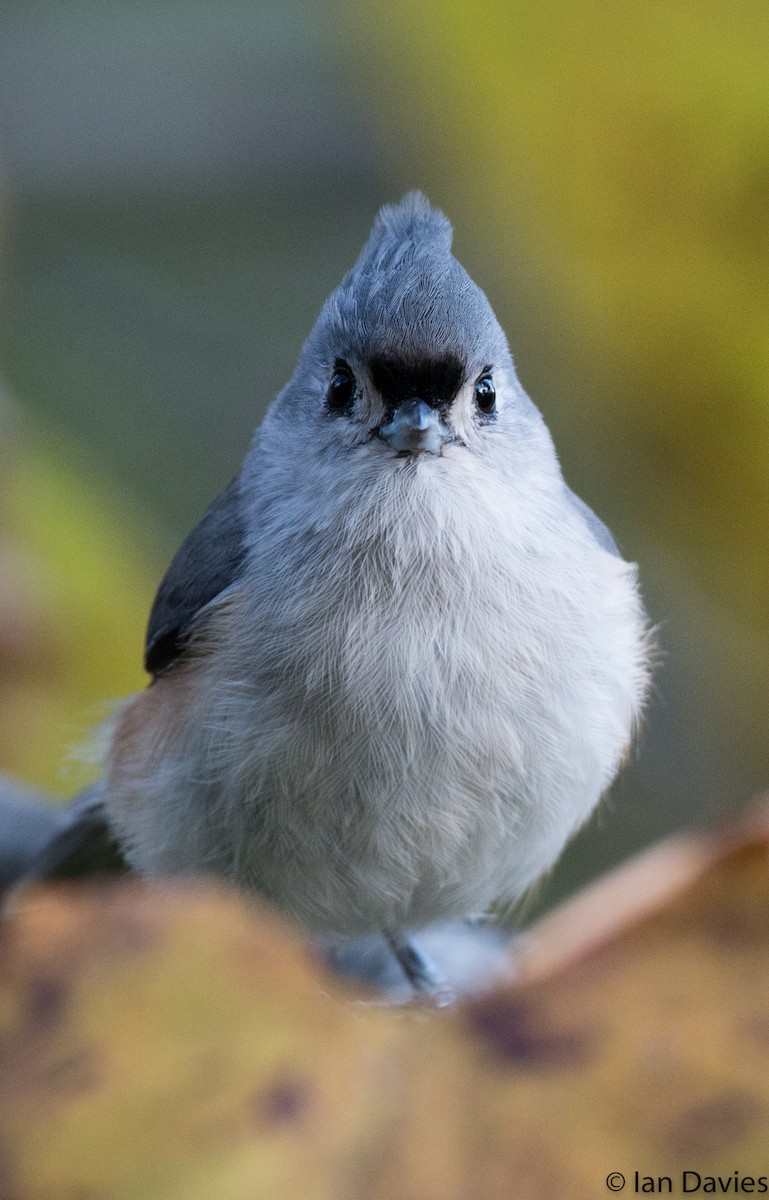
[412, 226]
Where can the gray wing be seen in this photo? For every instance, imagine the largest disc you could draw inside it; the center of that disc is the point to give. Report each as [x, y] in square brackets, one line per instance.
[599, 531]
[40, 840]
[83, 844]
[208, 561]
[27, 825]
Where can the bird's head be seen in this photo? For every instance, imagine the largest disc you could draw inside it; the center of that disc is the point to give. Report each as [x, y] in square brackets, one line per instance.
[407, 355]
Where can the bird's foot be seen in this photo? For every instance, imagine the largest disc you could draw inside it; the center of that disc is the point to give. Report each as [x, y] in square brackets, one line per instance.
[423, 976]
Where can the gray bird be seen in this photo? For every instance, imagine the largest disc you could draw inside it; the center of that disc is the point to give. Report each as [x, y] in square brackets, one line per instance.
[398, 661]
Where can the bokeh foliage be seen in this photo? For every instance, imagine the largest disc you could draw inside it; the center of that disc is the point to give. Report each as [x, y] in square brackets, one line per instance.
[170, 1042]
[74, 605]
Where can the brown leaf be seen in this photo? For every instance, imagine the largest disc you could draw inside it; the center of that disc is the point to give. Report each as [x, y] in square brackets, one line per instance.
[181, 1041]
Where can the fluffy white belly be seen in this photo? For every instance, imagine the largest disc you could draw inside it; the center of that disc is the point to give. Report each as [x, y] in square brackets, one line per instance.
[398, 749]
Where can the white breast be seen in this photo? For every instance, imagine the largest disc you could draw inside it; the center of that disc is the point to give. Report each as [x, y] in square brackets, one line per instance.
[404, 716]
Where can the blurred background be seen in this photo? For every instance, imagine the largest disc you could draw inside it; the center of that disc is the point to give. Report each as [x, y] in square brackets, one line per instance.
[181, 185]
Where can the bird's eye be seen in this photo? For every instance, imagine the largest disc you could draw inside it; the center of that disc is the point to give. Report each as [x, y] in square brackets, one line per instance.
[341, 390]
[486, 395]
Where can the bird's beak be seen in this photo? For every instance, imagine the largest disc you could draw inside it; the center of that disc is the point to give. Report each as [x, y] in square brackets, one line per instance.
[415, 428]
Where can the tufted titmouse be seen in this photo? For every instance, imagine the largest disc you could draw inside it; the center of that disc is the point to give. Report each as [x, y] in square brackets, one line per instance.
[398, 661]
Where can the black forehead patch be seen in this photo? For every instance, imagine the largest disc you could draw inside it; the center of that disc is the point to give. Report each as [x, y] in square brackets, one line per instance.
[431, 379]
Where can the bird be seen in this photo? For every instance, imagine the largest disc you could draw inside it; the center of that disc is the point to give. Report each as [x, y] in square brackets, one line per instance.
[398, 662]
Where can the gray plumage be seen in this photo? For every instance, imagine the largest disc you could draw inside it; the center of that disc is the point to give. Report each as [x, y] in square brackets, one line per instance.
[207, 562]
[27, 828]
[41, 840]
[398, 662]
